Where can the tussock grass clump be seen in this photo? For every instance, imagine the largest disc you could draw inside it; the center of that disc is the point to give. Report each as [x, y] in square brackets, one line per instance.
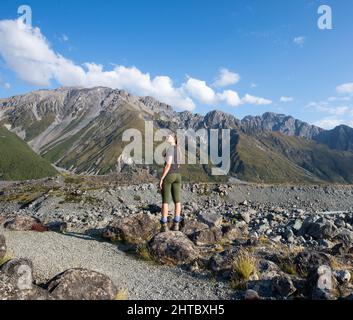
[122, 295]
[243, 267]
[288, 266]
[144, 253]
[7, 257]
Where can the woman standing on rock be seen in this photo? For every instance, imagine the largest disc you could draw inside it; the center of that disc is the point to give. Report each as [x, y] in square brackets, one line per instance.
[170, 184]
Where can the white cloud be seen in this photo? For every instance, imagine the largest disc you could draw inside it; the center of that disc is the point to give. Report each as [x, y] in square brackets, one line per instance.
[332, 122]
[300, 41]
[230, 97]
[226, 78]
[346, 88]
[27, 52]
[249, 99]
[200, 91]
[286, 99]
[328, 108]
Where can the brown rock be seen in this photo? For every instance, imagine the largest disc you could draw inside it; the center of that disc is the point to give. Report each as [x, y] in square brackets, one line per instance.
[9, 292]
[24, 223]
[283, 286]
[192, 226]
[207, 236]
[173, 248]
[137, 229]
[232, 233]
[251, 295]
[18, 272]
[81, 284]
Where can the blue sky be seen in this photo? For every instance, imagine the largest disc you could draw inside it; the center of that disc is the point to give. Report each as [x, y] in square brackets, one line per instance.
[267, 50]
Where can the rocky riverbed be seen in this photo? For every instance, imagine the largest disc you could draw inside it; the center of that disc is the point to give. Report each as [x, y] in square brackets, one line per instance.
[238, 241]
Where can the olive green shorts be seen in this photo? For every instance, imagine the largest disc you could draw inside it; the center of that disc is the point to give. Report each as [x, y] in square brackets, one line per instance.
[172, 187]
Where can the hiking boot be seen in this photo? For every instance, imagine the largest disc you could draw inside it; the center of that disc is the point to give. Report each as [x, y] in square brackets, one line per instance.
[164, 227]
[176, 226]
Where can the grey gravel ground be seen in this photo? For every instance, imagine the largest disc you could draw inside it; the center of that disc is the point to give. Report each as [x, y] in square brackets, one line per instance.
[53, 253]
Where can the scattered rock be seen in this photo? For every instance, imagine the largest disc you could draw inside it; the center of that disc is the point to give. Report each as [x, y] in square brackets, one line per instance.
[212, 219]
[345, 236]
[81, 284]
[192, 226]
[283, 286]
[321, 283]
[9, 292]
[246, 216]
[318, 228]
[18, 272]
[306, 261]
[251, 295]
[221, 263]
[173, 248]
[57, 226]
[232, 233]
[339, 249]
[343, 276]
[207, 236]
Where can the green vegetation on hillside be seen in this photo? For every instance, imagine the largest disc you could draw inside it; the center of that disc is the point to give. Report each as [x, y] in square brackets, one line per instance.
[18, 161]
[273, 157]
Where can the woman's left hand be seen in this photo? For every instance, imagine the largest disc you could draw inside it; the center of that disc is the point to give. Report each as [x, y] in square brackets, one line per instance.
[161, 184]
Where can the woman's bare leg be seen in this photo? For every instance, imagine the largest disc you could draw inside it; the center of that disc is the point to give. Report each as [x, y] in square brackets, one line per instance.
[165, 210]
[177, 210]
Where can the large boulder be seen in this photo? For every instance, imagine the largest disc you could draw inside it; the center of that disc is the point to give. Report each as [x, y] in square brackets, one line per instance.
[8, 291]
[307, 261]
[207, 236]
[2, 247]
[233, 232]
[18, 272]
[318, 228]
[321, 283]
[81, 284]
[25, 223]
[136, 229]
[173, 248]
[222, 262]
[345, 236]
[282, 286]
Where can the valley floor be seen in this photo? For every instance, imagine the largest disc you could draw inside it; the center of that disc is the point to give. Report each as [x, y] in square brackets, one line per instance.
[276, 221]
[53, 253]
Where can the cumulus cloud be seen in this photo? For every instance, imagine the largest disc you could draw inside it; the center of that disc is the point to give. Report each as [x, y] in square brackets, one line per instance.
[200, 91]
[300, 41]
[286, 99]
[226, 78]
[332, 122]
[230, 97]
[333, 112]
[346, 88]
[249, 99]
[27, 52]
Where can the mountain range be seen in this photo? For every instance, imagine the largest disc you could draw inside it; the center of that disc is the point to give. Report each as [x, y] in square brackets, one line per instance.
[80, 130]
